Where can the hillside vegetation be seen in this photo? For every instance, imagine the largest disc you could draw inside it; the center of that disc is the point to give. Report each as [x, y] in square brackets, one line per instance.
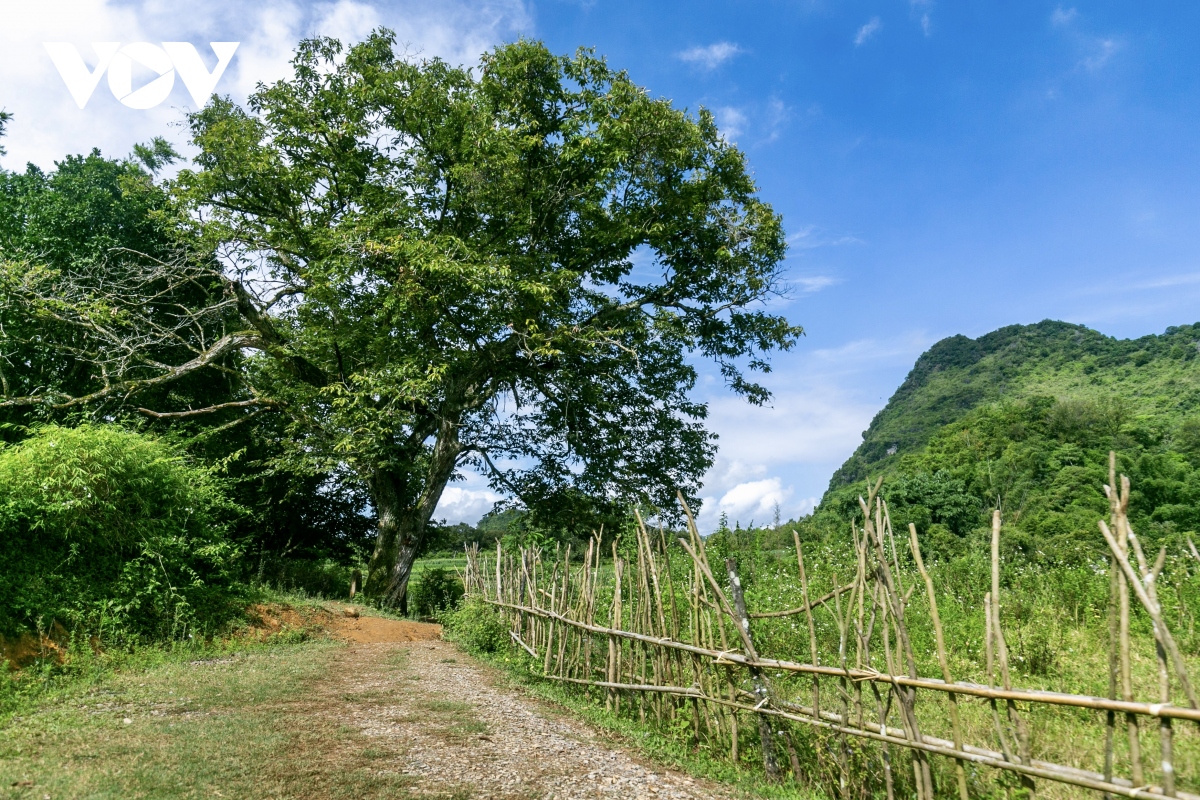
[1025, 417]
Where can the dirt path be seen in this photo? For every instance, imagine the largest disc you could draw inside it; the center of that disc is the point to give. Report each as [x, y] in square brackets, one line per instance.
[390, 713]
[454, 729]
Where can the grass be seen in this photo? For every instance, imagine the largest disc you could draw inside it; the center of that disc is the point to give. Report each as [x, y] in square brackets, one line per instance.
[450, 564]
[213, 727]
[240, 718]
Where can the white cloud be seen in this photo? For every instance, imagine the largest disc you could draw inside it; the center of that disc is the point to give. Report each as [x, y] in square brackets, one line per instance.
[821, 424]
[921, 9]
[48, 125]
[754, 500]
[1102, 51]
[731, 121]
[348, 21]
[1063, 16]
[823, 399]
[815, 283]
[459, 504]
[867, 31]
[862, 354]
[710, 57]
[777, 115]
[810, 237]
[1169, 281]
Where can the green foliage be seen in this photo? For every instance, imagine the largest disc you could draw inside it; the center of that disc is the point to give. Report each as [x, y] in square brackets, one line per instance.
[1154, 374]
[437, 589]
[476, 626]
[157, 154]
[73, 231]
[1025, 418]
[505, 270]
[110, 533]
[76, 245]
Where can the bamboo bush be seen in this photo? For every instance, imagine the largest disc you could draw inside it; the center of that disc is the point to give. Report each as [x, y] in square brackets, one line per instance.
[659, 632]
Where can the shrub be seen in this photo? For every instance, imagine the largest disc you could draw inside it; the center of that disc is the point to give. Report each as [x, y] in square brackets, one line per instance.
[111, 533]
[476, 626]
[325, 577]
[436, 590]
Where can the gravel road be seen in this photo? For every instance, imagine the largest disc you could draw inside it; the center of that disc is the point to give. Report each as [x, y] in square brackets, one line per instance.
[456, 731]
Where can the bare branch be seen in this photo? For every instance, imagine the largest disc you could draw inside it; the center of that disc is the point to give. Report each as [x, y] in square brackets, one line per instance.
[262, 403]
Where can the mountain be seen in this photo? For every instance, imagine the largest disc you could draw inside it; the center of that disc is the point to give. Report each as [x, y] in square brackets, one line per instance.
[1025, 417]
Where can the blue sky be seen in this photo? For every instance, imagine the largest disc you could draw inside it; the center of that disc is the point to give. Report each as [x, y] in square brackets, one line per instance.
[941, 167]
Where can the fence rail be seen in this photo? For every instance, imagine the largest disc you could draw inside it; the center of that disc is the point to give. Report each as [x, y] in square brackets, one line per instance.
[686, 654]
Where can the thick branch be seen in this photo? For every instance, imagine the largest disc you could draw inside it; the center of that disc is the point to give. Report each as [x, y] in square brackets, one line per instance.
[273, 342]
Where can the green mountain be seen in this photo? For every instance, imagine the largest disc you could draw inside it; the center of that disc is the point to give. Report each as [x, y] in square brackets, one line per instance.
[1024, 417]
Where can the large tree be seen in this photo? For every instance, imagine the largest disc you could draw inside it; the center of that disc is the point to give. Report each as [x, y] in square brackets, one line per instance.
[511, 270]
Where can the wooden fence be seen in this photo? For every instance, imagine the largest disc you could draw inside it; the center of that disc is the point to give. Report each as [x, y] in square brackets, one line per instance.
[686, 654]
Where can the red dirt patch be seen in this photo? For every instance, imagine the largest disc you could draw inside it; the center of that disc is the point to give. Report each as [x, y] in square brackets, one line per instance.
[28, 648]
[372, 630]
[265, 620]
[272, 618]
[343, 622]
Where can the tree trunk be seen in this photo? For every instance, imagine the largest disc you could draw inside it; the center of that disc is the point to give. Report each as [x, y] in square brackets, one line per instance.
[402, 526]
[396, 543]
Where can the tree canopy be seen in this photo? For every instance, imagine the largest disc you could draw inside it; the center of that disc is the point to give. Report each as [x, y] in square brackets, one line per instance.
[422, 269]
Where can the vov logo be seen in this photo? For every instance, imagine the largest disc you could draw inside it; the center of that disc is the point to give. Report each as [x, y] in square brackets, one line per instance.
[171, 58]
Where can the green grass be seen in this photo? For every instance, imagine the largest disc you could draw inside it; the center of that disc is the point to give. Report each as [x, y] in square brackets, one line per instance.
[218, 726]
[235, 718]
[451, 564]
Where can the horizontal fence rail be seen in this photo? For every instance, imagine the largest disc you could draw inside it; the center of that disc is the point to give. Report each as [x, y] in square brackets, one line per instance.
[685, 655]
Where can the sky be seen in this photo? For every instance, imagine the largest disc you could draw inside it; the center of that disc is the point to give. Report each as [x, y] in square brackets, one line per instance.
[941, 168]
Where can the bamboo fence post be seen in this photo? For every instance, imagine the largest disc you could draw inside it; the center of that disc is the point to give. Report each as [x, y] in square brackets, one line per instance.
[1147, 596]
[678, 668]
[883, 708]
[700, 559]
[1114, 625]
[1164, 644]
[1018, 724]
[563, 635]
[812, 628]
[756, 674]
[991, 672]
[499, 593]
[550, 628]
[613, 701]
[844, 694]
[639, 619]
[861, 646]
[1131, 720]
[959, 769]
[704, 625]
[894, 691]
[661, 665]
[893, 591]
[1165, 734]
